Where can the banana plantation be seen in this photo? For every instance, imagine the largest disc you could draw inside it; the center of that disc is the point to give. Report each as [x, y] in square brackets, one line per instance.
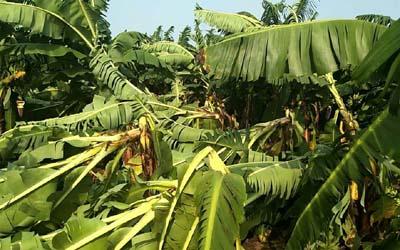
[242, 132]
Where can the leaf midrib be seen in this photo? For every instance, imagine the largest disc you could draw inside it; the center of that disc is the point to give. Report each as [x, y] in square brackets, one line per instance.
[213, 212]
[287, 26]
[87, 18]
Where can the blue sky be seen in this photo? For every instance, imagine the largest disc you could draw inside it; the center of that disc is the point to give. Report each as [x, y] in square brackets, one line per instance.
[145, 16]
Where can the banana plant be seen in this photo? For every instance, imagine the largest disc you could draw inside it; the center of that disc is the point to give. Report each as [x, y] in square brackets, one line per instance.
[155, 156]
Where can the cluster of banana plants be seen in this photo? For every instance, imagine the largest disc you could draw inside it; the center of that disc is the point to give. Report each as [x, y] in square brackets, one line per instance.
[275, 133]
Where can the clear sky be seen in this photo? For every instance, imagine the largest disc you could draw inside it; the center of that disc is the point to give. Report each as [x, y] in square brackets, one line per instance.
[146, 15]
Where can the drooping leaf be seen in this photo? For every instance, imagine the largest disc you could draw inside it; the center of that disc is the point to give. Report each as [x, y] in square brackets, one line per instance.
[21, 139]
[183, 133]
[125, 41]
[175, 59]
[228, 22]
[184, 181]
[233, 144]
[167, 47]
[387, 46]
[232, 140]
[255, 156]
[220, 201]
[141, 57]
[108, 74]
[37, 179]
[275, 179]
[163, 154]
[42, 21]
[183, 229]
[170, 53]
[83, 15]
[380, 137]
[31, 158]
[293, 50]
[51, 50]
[99, 115]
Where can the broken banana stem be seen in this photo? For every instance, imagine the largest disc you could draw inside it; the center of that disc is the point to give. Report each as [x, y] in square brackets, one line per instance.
[351, 123]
